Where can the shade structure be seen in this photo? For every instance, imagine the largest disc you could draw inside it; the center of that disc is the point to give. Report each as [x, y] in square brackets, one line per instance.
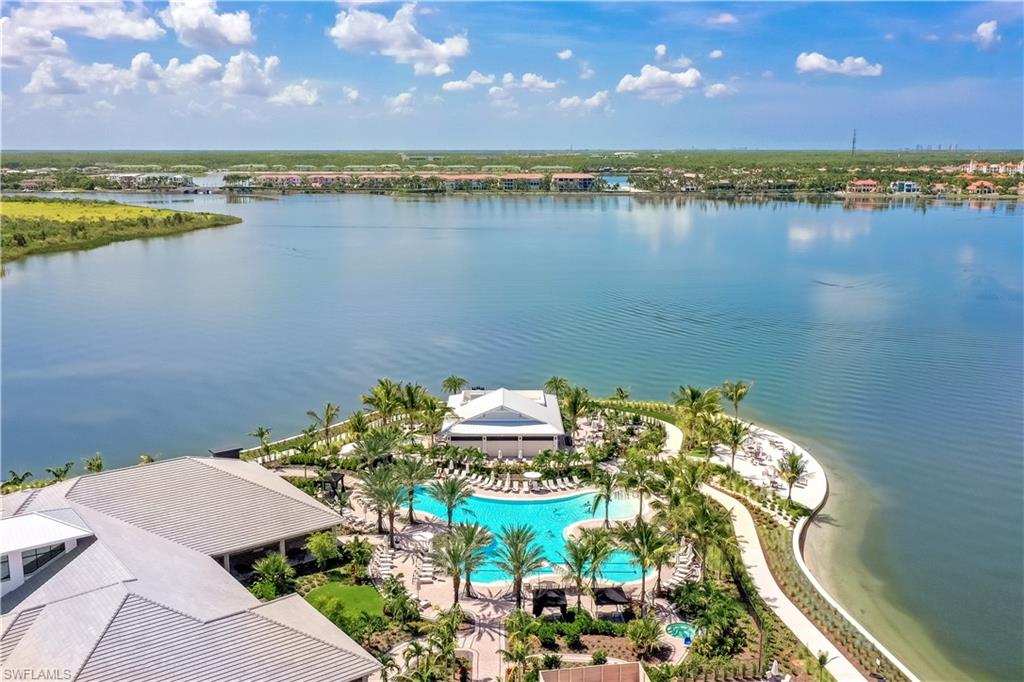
[610, 596]
[547, 598]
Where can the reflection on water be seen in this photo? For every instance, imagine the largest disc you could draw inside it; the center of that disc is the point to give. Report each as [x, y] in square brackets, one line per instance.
[890, 333]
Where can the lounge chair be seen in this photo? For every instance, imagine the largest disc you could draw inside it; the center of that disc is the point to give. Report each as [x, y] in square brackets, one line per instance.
[515, 486]
[550, 485]
[576, 482]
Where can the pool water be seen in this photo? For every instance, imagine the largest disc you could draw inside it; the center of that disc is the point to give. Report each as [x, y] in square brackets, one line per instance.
[548, 518]
[681, 630]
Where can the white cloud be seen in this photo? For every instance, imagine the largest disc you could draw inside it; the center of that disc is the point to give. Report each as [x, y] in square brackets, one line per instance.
[297, 95]
[400, 103]
[987, 34]
[359, 30]
[65, 77]
[586, 73]
[807, 62]
[661, 55]
[715, 54]
[103, 105]
[564, 54]
[658, 84]
[197, 24]
[723, 19]
[530, 81]
[26, 45]
[177, 75]
[351, 95]
[245, 74]
[599, 100]
[660, 50]
[501, 98]
[95, 20]
[473, 79]
[719, 90]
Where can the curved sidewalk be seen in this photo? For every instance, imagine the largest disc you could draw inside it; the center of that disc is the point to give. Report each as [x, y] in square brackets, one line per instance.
[757, 565]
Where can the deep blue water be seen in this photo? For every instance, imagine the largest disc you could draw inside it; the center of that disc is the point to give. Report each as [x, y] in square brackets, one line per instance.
[889, 338]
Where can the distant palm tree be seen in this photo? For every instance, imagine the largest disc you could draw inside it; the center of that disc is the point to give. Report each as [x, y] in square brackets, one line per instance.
[575, 560]
[453, 384]
[385, 397]
[621, 394]
[14, 478]
[576, 402]
[694, 401]
[412, 473]
[476, 539]
[323, 421]
[519, 556]
[556, 385]
[641, 476]
[735, 392]
[734, 435]
[708, 428]
[449, 556]
[412, 398]
[452, 493]
[790, 469]
[378, 445]
[642, 541]
[432, 415]
[94, 464]
[382, 492]
[607, 486]
[146, 459]
[357, 424]
[262, 434]
[305, 447]
[61, 472]
[600, 546]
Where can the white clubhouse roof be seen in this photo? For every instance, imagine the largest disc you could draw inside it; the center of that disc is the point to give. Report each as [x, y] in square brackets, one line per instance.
[503, 413]
[37, 530]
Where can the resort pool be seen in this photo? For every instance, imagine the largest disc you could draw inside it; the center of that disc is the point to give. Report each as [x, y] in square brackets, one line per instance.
[682, 630]
[548, 518]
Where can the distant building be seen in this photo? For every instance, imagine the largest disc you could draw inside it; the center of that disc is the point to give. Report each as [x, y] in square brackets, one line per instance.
[863, 186]
[940, 189]
[572, 182]
[612, 672]
[904, 187]
[981, 187]
[522, 181]
[513, 423]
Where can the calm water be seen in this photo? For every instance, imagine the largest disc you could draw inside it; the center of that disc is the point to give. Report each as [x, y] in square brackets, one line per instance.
[548, 518]
[889, 341]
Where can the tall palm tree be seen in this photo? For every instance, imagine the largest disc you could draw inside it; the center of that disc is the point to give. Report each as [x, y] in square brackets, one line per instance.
[385, 397]
[14, 478]
[476, 539]
[61, 472]
[452, 493]
[412, 399]
[382, 492]
[412, 473]
[708, 428]
[94, 464]
[378, 445]
[734, 434]
[432, 414]
[735, 392]
[790, 469]
[709, 527]
[262, 434]
[518, 655]
[519, 556]
[621, 394]
[600, 546]
[450, 556]
[606, 487]
[357, 424]
[692, 402]
[662, 557]
[453, 384]
[575, 562]
[642, 541]
[305, 447]
[576, 402]
[146, 459]
[324, 420]
[387, 665]
[641, 476]
[556, 385]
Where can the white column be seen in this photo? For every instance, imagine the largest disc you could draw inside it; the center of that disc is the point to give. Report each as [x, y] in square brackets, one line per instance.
[280, 546]
[520, 446]
[226, 560]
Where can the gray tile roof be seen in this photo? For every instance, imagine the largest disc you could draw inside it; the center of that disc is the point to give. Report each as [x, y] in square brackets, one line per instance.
[212, 506]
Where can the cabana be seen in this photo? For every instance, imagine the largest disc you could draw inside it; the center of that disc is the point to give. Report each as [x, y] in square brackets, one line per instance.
[549, 597]
[611, 596]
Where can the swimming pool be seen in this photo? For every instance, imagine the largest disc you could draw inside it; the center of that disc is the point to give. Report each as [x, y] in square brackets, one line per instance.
[548, 518]
[682, 630]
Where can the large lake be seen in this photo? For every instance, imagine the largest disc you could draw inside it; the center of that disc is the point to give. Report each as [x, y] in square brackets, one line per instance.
[889, 341]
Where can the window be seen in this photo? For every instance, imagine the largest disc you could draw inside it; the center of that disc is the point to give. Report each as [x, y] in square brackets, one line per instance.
[34, 559]
[5, 569]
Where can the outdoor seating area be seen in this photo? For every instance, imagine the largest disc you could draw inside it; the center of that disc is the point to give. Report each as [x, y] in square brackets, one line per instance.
[687, 567]
[758, 460]
[382, 563]
[528, 482]
[589, 431]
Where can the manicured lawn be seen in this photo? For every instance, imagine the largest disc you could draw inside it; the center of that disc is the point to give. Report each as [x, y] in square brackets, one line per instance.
[356, 598]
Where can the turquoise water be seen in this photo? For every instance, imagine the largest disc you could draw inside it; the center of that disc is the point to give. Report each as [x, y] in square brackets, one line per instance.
[886, 337]
[681, 630]
[548, 518]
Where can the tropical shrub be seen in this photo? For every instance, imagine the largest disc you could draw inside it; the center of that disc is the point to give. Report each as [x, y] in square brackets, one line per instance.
[643, 634]
[263, 590]
[275, 570]
[324, 547]
[599, 657]
[551, 662]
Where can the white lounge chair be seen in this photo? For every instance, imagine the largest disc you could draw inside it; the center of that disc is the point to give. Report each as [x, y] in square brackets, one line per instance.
[576, 482]
[515, 486]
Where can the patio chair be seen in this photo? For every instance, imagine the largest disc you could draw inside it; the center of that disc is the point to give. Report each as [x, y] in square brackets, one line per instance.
[576, 482]
[515, 486]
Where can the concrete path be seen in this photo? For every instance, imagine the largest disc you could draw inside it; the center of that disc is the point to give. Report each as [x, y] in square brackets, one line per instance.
[757, 565]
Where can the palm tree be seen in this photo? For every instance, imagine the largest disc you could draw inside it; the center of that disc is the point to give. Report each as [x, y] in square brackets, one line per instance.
[821, 662]
[708, 527]
[412, 399]
[385, 397]
[607, 486]
[94, 464]
[412, 473]
[432, 414]
[262, 434]
[661, 558]
[735, 392]
[357, 424]
[453, 384]
[383, 492]
[450, 556]
[621, 394]
[642, 541]
[146, 459]
[324, 421]
[600, 547]
[452, 493]
[709, 427]
[791, 469]
[518, 655]
[387, 665]
[14, 478]
[377, 445]
[556, 385]
[519, 556]
[734, 435]
[61, 472]
[575, 561]
[476, 539]
[641, 476]
[693, 401]
[305, 447]
[576, 402]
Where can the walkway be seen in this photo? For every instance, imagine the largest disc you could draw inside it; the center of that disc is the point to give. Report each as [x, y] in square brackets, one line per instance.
[757, 565]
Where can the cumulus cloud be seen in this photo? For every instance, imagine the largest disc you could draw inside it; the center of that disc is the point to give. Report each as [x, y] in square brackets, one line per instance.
[245, 74]
[718, 90]
[359, 30]
[599, 100]
[529, 81]
[473, 79]
[26, 45]
[351, 95]
[564, 54]
[177, 75]
[400, 103]
[297, 95]
[723, 19]
[808, 62]
[65, 77]
[586, 72]
[987, 34]
[658, 84]
[501, 98]
[661, 56]
[95, 20]
[198, 25]
[661, 50]
[715, 54]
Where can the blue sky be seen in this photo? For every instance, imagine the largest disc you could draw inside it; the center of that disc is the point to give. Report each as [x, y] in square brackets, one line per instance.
[201, 74]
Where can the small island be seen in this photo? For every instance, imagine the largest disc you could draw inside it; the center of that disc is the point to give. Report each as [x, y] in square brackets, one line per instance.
[33, 225]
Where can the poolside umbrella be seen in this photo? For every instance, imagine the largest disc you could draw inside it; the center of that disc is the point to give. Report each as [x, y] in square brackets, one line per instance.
[610, 596]
[549, 597]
